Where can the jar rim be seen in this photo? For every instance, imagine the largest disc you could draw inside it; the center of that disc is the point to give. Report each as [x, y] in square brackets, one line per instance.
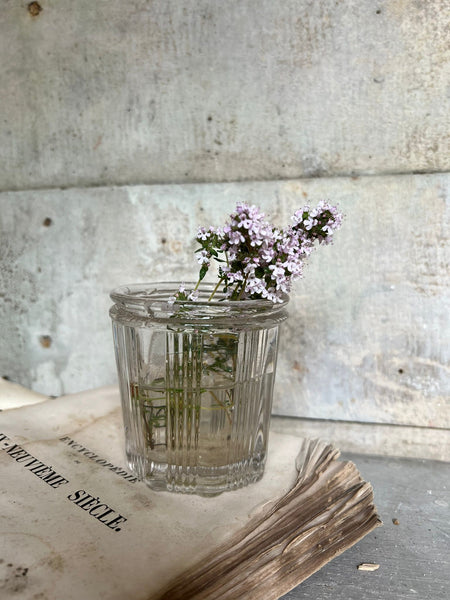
[153, 299]
[162, 290]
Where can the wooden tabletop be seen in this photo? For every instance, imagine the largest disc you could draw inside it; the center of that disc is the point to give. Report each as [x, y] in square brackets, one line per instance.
[412, 549]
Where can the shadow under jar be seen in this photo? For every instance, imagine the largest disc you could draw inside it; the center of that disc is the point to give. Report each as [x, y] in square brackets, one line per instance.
[196, 383]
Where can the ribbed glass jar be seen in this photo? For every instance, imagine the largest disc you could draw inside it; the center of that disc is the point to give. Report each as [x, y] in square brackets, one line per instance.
[196, 382]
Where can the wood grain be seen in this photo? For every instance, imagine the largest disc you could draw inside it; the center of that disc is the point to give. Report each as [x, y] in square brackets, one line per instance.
[367, 332]
[100, 93]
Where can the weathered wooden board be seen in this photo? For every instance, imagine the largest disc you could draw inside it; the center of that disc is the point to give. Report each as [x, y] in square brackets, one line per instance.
[114, 92]
[367, 338]
[381, 439]
[413, 554]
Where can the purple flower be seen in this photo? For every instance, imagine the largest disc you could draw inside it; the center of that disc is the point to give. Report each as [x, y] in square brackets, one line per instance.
[309, 223]
[257, 260]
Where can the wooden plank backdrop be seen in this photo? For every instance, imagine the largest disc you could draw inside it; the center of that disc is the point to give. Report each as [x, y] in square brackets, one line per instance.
[367, 337]
[112, 92]
[147, 112]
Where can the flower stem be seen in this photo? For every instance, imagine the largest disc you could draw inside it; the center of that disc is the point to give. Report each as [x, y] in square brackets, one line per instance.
[243, 287]
[215, 289]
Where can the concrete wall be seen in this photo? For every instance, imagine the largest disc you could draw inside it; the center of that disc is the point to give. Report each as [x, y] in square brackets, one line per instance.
[344, 100]
[369, 329]
[111, 92]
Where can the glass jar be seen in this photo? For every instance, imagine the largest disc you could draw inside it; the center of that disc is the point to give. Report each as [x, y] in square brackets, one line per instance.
[196, 383]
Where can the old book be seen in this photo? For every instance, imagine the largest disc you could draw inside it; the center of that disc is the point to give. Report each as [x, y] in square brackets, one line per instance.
[76, 524]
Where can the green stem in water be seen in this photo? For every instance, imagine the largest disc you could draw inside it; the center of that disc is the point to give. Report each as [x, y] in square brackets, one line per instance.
[222, 405]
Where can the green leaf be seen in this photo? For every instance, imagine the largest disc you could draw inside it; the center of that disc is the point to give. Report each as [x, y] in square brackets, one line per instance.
[203, 272]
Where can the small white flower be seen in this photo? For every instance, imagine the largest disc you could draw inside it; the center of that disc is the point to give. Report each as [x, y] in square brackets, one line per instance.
[203, 257]
[202, 234]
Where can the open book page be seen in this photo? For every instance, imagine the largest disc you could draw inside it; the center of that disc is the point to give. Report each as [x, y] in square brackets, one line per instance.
[76, 523]
[13, 395]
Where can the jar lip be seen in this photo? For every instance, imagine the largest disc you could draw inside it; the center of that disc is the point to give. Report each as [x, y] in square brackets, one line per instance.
[155, 295]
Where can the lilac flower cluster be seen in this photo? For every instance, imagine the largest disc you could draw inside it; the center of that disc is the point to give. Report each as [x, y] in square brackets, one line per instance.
[257, 260]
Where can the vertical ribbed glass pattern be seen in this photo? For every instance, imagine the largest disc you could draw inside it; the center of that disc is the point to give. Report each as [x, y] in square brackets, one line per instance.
[196, 395]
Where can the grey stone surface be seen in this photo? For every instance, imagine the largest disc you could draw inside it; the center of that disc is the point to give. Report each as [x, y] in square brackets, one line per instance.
[367, 337]
[413, 555]
[112, 92]
[371, 438]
